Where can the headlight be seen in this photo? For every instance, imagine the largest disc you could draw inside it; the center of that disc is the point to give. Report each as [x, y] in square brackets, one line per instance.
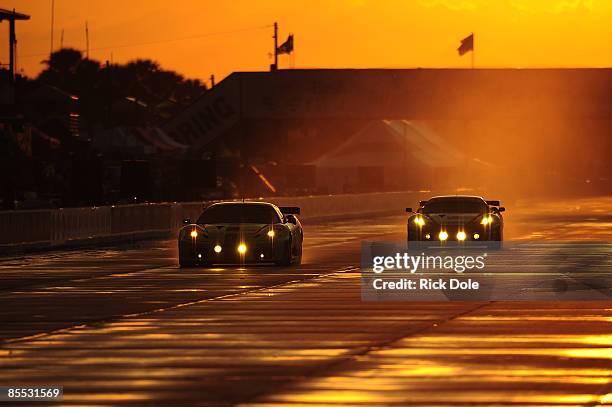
[217, 248]
[192, 233]
[271, 233]
[486, 220]
[461, 235]
[242, 248]
[419, 221]
[443, 235]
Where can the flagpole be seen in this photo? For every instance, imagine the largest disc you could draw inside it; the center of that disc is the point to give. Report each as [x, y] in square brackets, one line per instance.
[86, 40]
[292, 56]
[473, 49]
[275, 46]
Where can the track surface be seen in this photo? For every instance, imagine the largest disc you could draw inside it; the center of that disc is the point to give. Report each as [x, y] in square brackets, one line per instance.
[126, 325]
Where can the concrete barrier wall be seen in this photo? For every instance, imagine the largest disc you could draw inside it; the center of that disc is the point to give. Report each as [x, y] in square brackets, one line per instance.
[40, 229]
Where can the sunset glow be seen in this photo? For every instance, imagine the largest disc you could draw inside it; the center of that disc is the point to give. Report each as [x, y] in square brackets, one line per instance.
[199, 38]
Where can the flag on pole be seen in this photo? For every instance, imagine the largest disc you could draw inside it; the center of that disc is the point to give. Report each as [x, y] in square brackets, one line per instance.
[467, 45]
[286, 47]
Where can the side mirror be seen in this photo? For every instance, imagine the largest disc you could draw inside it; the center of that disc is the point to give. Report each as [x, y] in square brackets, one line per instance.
[291, 219]
[290, 210]
[186, 221]
[502, 209]
[408, 209]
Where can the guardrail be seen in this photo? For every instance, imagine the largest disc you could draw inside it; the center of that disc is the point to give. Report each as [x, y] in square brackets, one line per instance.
[54, 228]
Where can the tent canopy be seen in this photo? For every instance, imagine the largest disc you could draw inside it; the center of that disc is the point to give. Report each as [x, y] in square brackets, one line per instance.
[393, 143]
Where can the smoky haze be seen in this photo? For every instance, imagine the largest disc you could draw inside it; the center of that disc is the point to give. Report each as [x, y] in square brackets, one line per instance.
[518, 133]
[531, 157]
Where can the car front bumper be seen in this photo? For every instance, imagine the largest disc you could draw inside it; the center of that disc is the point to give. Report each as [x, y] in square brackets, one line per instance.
[456, 233]
[199, 252]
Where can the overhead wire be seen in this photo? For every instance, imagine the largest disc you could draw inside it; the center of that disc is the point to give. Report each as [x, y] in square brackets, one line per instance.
[191, 37]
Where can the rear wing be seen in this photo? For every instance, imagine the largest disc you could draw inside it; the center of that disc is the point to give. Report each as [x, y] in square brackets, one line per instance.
[290, 210]
[493, 203]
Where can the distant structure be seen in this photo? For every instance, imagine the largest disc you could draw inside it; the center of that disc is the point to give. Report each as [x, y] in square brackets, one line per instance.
[303, 95]
[291, 123]
[7, 95]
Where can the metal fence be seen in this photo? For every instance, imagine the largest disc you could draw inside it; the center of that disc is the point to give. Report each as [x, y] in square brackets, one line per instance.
[61, 227]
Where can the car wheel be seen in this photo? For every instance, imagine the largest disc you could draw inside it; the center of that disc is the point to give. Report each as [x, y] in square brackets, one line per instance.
[286, 256]
[496, 235]
[298, 259]
[185, 263]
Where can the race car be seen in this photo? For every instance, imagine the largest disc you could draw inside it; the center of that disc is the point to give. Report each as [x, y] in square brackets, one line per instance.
[456, 218]
[241, 233]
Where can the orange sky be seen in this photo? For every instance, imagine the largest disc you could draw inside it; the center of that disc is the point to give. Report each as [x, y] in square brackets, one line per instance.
[331, 34]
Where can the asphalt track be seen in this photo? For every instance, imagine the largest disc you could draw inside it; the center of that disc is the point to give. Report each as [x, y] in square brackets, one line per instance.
[125, 325]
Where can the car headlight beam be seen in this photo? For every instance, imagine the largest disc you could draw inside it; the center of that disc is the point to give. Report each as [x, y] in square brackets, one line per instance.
[419, 221]
[486, 220]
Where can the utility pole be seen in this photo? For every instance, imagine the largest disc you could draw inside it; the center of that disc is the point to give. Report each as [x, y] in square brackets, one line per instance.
[212, 81]
[86, 40]
[62, 39]
[52, 23]
[12, 16]
[275, 65]
[12, 47]
[8, 189]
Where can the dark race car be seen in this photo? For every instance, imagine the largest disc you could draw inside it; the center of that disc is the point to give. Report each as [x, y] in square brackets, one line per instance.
[240, 233]
[456, 218]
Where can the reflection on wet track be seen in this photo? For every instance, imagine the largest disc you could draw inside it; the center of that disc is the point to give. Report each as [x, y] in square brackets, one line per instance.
[121, 326]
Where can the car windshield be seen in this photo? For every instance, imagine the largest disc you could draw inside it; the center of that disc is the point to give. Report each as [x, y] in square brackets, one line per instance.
[239, 213]
[455, 206]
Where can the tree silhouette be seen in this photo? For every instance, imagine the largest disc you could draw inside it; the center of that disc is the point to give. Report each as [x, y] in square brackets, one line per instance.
[164, 92]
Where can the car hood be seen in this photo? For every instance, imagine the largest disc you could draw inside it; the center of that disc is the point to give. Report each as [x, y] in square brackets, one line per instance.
[453, 218]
